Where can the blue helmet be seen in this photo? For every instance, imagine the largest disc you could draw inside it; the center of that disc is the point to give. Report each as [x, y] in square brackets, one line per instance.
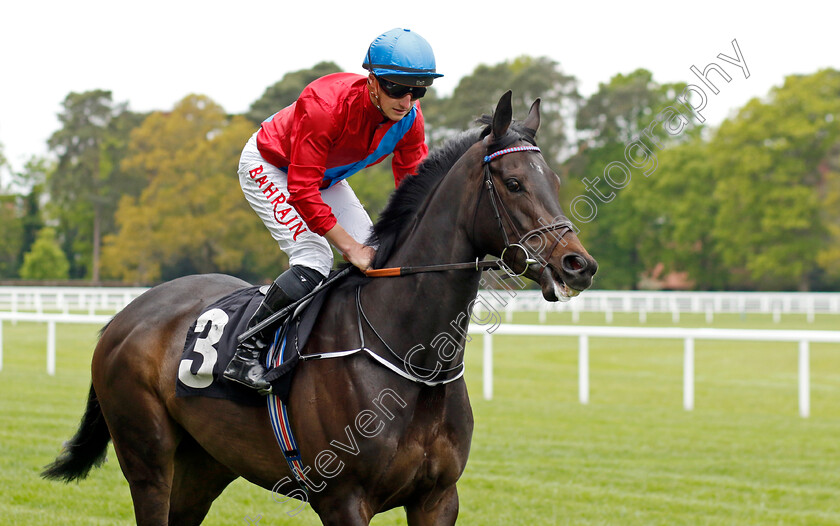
[402, 56]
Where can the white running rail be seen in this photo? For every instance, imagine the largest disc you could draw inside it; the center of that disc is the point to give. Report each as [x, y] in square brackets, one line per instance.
[50, 320]
[675, 303]
[67, 300]
[802, 337]
[112, 299]
[688, 336]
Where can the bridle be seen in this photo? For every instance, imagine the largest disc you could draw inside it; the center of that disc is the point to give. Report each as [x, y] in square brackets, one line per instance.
[509, 256]
[501, 214]
[564, 225]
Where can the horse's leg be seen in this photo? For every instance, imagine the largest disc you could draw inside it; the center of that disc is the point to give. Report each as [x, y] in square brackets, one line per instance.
[344, 511]
[443, 512]
[198, 480]
[145, 442]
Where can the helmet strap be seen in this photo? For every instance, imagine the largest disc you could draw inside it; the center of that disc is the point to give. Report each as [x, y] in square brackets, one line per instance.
[374, 96]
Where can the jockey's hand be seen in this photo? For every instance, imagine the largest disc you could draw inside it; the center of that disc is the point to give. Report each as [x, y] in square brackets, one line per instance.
[354, 252]
[361, 256]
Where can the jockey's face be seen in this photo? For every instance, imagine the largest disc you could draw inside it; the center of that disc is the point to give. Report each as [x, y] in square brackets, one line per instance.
[393, 108]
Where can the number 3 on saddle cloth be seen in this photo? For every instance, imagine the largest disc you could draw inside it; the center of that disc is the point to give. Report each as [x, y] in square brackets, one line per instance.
[211, 342]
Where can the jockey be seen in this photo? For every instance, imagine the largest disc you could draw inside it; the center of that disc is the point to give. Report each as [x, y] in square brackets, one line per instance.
[293, 170]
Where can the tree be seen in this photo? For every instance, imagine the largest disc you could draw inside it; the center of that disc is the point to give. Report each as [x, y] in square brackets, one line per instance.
[83, 187]
[624, 107]
[768, 173]
[10, 226]
[675, 207]
[31, 182]
[11, 235]
[610, 120]
[3, 164]
[828, 257]
[287, 90]
[20, 214]
[192, 216]
[528, 78]
[373, 186]
[46, 260]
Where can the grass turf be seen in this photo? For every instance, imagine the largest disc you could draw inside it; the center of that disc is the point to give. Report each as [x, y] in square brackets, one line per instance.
[631, 456]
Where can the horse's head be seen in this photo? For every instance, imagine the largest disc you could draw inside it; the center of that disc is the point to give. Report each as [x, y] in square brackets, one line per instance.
[526, 226]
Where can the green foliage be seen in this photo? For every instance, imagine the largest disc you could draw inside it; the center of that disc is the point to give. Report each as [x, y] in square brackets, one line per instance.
[11, 235]
[373, 186]
[191, 217]
[620, 237]
[528, 78]
[11, 231]
[676, 209]
[611, 237]
[286, 90]
[624, 107]
[753, 204]
[86, 183]
[768, 166]
[32, 179]
[828, 189]
[46, 260]
[20, 215]
[3, 160]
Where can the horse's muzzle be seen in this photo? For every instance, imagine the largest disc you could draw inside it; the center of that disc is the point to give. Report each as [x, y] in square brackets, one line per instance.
[573, 276]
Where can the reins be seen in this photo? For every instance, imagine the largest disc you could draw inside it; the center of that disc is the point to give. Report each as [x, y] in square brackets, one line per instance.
[500, 213]
[392, 272]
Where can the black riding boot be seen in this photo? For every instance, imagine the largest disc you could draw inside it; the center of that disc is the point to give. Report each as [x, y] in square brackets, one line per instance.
[247, 367]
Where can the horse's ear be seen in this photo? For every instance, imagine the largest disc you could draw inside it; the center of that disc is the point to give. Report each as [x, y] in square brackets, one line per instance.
[533, 119]
[503, 115]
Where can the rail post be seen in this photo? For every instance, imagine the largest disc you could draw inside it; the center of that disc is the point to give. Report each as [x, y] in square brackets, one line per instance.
[488, 366]
[688, 374]
[804, 380]
[51, 347]
[583, 368]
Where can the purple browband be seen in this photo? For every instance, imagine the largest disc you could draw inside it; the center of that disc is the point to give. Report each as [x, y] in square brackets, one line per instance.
[488, 158]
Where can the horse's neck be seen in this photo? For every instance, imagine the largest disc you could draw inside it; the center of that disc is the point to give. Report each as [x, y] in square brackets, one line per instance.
[431, 309]
[440, 233]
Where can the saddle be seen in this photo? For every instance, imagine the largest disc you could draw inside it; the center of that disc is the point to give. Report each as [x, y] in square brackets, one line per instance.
[212, 340]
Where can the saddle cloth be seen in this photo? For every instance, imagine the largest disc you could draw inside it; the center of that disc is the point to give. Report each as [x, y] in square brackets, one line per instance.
[212, 340]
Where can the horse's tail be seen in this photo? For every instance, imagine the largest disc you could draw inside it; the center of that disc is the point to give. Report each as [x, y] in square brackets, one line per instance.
[86, 449]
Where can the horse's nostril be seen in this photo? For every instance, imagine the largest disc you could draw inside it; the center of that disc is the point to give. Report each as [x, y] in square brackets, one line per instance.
[573, 263]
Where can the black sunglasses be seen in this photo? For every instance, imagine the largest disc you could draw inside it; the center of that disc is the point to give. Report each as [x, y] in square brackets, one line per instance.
[398, 91]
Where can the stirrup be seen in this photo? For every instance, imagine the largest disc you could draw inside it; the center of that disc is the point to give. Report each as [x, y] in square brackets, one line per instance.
[245, 367]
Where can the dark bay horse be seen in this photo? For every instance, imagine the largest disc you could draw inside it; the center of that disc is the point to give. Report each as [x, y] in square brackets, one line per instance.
[370, 439]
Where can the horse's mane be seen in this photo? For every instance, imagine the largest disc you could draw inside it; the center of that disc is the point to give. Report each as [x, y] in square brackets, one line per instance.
[407, 199]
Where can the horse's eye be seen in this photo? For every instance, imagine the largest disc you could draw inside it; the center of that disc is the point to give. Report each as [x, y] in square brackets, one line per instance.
[513, 185]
